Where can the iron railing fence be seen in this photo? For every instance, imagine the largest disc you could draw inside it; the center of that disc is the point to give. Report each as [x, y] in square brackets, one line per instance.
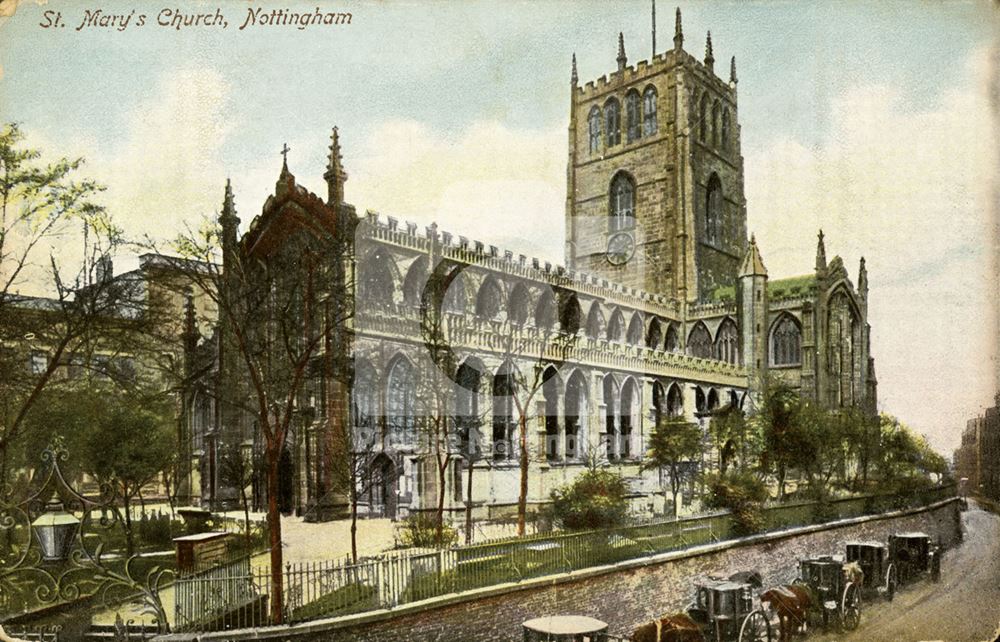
[236, 595]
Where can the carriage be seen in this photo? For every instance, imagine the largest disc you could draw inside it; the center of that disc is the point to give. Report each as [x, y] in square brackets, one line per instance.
[726, 610]
[914, 555]
[880, 574]
[836, 585]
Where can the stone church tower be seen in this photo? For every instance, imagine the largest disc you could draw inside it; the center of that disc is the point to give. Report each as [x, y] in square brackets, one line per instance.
[655, 175]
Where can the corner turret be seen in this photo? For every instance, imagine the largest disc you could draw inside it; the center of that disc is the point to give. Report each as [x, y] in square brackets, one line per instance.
[752, 311]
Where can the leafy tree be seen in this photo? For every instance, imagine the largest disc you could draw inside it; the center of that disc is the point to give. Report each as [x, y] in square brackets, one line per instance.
[787, 440]
[598, 498]
[129, 443]
[672, 443]
[743, 494]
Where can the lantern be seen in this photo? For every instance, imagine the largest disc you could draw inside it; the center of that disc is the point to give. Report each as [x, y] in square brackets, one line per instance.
[55, 529]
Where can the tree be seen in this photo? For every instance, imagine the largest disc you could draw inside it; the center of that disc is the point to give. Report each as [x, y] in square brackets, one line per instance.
[787, 442]
[674, 442]
[84, 309]
[237, 469]
[129, 444]
[598, 498]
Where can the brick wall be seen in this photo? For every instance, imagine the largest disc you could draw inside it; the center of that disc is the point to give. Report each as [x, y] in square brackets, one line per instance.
[625, 596]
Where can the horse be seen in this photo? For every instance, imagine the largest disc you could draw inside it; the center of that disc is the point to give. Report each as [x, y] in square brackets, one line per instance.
[672, 628]
[791, 603]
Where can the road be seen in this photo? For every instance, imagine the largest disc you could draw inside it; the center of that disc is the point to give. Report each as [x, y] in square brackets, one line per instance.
[963, 607]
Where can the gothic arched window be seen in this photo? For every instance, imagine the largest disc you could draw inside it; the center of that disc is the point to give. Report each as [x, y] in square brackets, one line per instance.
[649, 111]
[633, 129]
[504, 422]
[716, 115]
[595, 321]
[468, 379]
[672, 342]
[675, 401]
[727, 342]
[699, 343]
[365, 402]
[594, 121]
[611, 424]
[517, 304]
[576, 414]
[703, 118]
[713, 209]
[616, 327]
[725, 128]
[569, 317]
[612, 122]
[490, 299]
[634, 334]
[786, 341]
[416, 279]
[400, 401]
[627, 409]
[375, 276]
[454, 296]
[545, 311]
[622, 209]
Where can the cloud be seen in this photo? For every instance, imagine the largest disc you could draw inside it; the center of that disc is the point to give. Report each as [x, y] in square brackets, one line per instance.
[490, 182]
[912, 189]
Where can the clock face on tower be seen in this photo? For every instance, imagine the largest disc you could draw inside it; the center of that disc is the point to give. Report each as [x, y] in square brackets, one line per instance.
[621, 247]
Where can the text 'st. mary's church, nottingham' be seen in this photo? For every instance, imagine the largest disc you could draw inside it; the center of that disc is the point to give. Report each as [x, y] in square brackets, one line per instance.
[663, 308]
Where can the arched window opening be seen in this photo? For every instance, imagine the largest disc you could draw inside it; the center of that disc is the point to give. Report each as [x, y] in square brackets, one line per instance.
[725, 128]
[518, 304]
[376, 285]
[595, 321]
[489, 302]
[616, 327]
[550, 390]
[364, 395]
[469, 379]
[594, 122]
[786, 341]
[612, 123]
[699, 343]
[622, 208]
[699, 400]
[632, 116]
[416, 279]
[716, 115]
[576, 415]
[727, 342]
[570, 316]
[713, 209]
[504, 421]
[611, 417]
[672, 342]
[659, 404]
[634, 335]
[713, 400]
[545, 311]
[654, 335]
[454, 297]
[675, 401]
[649, 111]
[703, 118]
[629, 404]
[400, 402]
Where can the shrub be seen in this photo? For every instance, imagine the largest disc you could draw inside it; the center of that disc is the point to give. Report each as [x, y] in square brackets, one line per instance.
[420, 529]
[743, 495]
[596, 499]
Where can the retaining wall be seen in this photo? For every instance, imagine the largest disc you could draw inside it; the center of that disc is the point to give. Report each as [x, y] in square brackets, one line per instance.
[624, 595]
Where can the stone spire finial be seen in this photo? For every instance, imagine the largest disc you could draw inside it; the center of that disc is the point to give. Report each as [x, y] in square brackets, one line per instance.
[654, 31]
[678, 32]
[820, 253]
[574, 79]
[228, 215]
[709, 57]
[622, 59]
[190, 334]
[732, 71]
[335, 175]
[863, 279]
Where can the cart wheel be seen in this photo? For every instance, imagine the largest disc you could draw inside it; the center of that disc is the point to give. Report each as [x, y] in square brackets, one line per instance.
[755, 628]
[850, 607]
[891, 582]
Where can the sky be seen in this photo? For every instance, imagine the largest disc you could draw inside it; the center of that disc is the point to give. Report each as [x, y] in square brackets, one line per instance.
[874, 121]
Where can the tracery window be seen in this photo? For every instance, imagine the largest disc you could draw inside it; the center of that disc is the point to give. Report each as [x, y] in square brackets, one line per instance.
[649, 111]
[622, 210]
[467, 408]
[716, 115]
[703, 118]
[612, 122]
[786, 340]
[576, 415]
[375, 274]
[365, 401]
[504, 423]
[517, 305]
[632, 116]
[713, 209]
[725, 128]
[454, 296]
[490, 299]
[727, 342]
[400, 400]
[699, 342]
[594, 121]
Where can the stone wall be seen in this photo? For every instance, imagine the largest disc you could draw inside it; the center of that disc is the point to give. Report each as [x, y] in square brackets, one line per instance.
[624, 595]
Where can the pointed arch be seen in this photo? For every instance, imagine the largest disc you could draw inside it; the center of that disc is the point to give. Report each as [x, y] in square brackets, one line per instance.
[699, 342]
[659, 404]
[649, 126]
[468, 388]
[713, 209]
[727, 342]
[725, 129]
[576, 414]
[545, 310]
[455, 297]
[570, 314]
[594, 124]
[672, 342]
[519, 304]
[634, 334]
[550, 391]
[633, 113]
[675, 401]
[716, 116]
[654, 334]
[703, 118]
[785, 341]
[628, 416]
[595, 321]
[490, 299]
[616, 326]
[504, 388]
[612, 122]
[712, 401]
[364, 402]
[377, 278]
[415, 281]
[610, 398]
[401, 400]
[699, 400]
[621, 209]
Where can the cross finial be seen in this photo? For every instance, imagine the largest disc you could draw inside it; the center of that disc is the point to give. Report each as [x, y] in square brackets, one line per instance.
[284, 152]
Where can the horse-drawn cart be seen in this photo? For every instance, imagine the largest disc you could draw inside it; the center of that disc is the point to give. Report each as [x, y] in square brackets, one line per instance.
[914, 555]
[880, 574]
[726, 610]
[836, 585]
